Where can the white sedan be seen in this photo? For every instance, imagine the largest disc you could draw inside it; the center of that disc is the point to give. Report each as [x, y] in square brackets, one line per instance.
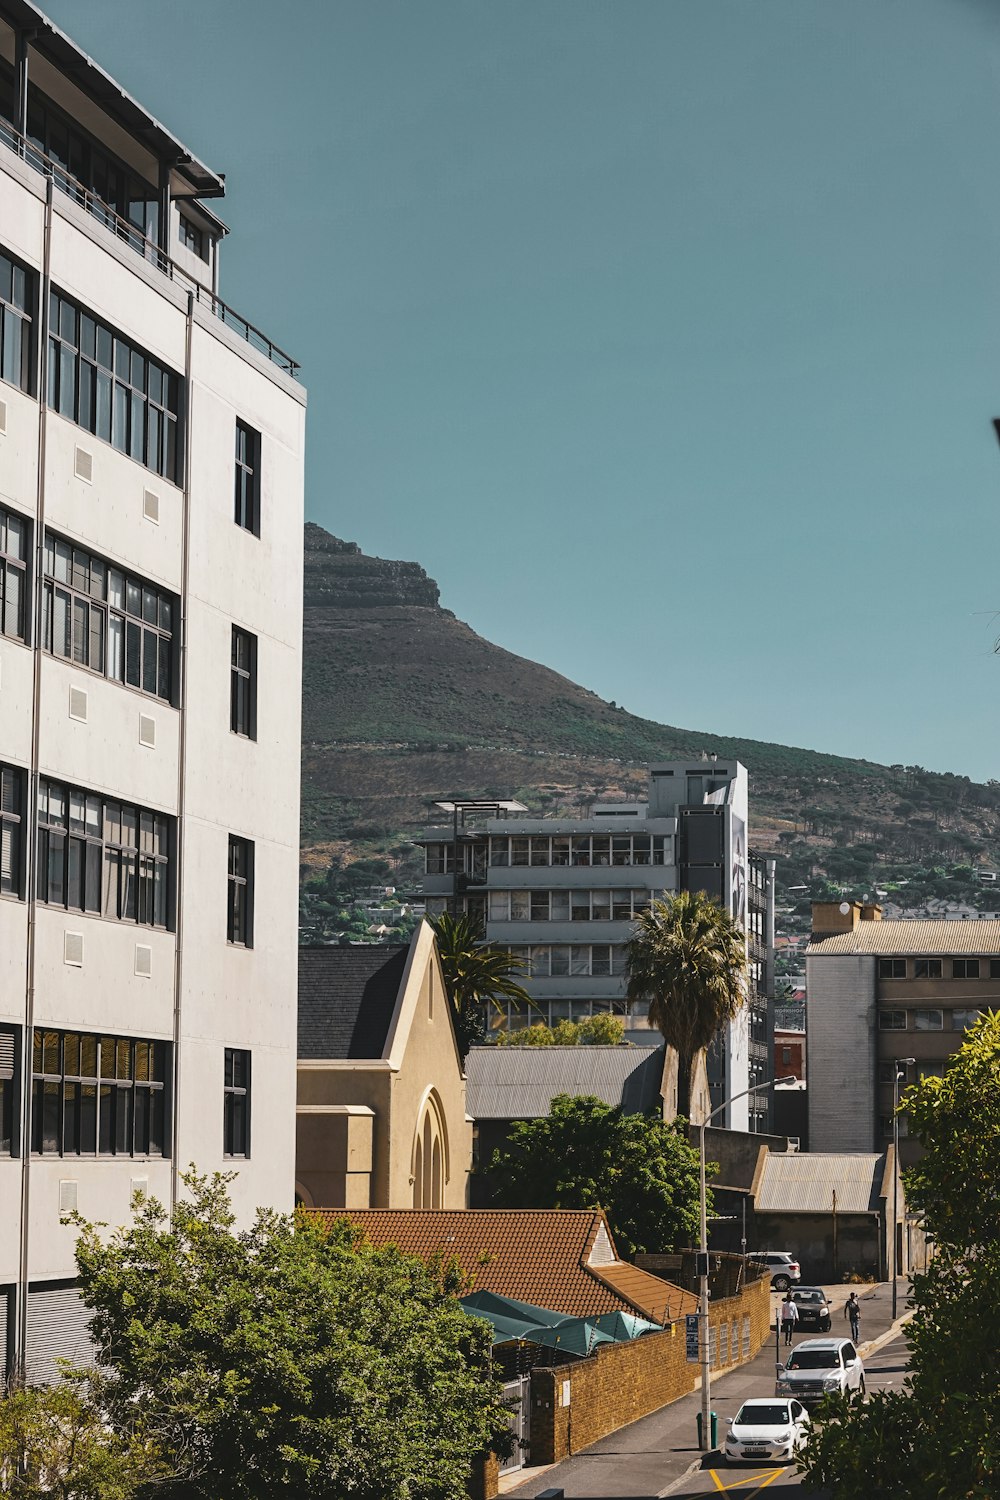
[771, 1428]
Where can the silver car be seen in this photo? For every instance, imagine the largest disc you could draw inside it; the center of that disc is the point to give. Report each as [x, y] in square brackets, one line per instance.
[821, 1367]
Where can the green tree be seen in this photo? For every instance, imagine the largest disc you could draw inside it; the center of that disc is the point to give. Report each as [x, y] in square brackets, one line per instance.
[476, 973]
[587, 1154]
[687, 960]
[282, 1361]
[940, 1435]
[602, 1030]
[54, 1441]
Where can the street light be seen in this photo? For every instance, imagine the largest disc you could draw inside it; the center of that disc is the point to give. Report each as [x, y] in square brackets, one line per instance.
[898, 1077]
[706, 1363]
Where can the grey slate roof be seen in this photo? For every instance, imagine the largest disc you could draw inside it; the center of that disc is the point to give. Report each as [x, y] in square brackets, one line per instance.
[909, 935]
[346, 1000]
[804, 1183]
[519, 1083]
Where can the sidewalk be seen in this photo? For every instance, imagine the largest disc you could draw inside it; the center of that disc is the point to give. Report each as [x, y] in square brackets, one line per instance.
[648, 1458]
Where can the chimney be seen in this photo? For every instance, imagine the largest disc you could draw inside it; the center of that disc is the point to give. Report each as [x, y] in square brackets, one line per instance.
[831, 917]
[872, 913]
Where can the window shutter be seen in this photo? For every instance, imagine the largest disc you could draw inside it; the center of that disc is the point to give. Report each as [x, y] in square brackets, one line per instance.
[6, 857]
[6, 1053]
[57, 1328]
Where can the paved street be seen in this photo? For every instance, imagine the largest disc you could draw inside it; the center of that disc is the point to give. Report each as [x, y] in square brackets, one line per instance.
[652, 1457]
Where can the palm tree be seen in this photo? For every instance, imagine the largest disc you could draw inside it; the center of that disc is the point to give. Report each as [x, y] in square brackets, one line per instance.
[687, 958]
[476, 973]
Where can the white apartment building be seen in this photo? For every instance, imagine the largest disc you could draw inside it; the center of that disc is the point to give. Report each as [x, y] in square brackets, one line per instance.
[563, 894]
[151, 506]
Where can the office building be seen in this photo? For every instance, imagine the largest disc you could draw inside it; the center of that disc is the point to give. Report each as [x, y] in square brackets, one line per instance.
[563, 895]
[151, 499]
[880, 992]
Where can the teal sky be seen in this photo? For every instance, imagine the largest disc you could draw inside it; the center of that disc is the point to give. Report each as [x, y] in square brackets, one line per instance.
[665, 334]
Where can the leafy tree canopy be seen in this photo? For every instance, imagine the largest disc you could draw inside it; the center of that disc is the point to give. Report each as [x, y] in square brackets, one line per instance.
[939, 1437]
[603, 1030]
[586, 1154]
[281, 1361]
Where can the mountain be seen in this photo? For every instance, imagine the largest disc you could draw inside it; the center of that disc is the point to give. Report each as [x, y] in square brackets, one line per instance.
[404, 704]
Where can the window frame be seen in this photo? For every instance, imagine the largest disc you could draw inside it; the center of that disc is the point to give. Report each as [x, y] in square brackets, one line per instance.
[13, 566]
[240, 891]
[923, 1018]
[142, 624]
[104, 383]
[928, 968]
[236, 1100]
[17, 322]
[884, 1023]
[892, 968]
[116, 1090]
[14, 829]
[243, 685]
[966, 968]
[247, 478]
[138, 872]
[10, 1091]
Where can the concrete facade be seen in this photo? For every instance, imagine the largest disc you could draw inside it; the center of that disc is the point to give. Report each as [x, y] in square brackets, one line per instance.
[125, 785]
[563, 893]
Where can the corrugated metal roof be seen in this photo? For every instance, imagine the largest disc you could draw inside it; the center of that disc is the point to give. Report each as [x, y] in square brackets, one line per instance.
[794, 1183]
[519, 1083]
[886, 939]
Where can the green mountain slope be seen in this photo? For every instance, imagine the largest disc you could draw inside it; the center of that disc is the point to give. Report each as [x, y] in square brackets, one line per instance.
[404, 704]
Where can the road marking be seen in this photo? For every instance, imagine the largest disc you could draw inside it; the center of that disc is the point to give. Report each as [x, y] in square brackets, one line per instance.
[760, 1480]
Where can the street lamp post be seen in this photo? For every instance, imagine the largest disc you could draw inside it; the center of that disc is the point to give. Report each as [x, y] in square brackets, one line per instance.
[706, 1363]
[898, 1077]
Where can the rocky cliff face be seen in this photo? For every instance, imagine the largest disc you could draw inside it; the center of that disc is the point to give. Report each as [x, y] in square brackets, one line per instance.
[338, 575]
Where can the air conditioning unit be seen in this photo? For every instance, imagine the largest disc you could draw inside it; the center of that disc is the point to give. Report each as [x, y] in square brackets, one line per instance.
[794, 1143]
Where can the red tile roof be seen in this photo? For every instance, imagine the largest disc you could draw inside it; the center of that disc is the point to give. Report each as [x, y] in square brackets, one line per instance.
[533, 1255]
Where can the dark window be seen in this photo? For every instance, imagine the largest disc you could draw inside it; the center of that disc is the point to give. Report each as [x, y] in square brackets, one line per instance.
[247, 478]
[17, 294]
[12, 833]
[965, 968]
[98, 1095]
[243, 684]
[995, 968]
[236, 1104]
[109, 621]
[786, 1056]
[927, 968]
[892, 1020]
[8, 1076]
[13, 575]
[108, 386]
[240, 922]
[103, 856]
[193, 238]
[892, 968]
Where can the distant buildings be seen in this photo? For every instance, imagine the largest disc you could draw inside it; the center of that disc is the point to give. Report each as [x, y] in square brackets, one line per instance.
[880, 991]
[563, 894]
[151, 495]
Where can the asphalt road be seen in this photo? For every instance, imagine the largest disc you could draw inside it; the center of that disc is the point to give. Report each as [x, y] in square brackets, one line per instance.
[651, 1458]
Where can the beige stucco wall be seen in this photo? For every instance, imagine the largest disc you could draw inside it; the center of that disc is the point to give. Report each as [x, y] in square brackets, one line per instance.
[422, 1060]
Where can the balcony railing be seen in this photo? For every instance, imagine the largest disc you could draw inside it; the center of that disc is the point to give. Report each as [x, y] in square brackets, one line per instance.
[129, 235]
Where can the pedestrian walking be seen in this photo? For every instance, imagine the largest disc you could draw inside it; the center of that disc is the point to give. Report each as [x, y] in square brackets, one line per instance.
[852, 1310]
[789, 1317]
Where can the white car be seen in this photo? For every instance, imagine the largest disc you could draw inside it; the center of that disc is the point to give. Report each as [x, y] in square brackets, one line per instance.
[773, 1428]
[821, 1367]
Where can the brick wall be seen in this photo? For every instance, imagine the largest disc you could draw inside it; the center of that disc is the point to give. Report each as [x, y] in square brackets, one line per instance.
[623, 1382]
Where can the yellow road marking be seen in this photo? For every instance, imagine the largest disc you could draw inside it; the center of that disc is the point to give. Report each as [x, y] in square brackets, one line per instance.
[760, 1480]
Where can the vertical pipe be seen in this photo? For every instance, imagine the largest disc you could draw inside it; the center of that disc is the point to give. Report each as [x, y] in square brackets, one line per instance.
[31, 807]
[706, 1363]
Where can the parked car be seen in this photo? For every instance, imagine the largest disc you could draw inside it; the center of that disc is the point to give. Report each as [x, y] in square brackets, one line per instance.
[767, 1429]
[784, 1268]
[814, 1310]
[821, 1367]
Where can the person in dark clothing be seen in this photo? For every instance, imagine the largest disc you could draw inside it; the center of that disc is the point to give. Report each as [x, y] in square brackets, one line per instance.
[852, 1310]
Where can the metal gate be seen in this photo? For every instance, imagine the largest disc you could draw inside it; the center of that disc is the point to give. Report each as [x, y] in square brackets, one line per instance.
[519, 1420]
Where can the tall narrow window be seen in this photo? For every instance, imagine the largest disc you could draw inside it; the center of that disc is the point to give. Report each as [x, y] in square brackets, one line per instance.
[16, 296]
[8, 1071]
[240, 924]
[13, 575]
[243, 684]
[236, 1103]
[11, 831]
[247, 478]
